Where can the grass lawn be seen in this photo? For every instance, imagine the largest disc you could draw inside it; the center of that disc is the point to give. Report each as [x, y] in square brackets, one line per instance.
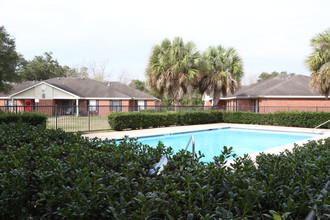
[79, 123]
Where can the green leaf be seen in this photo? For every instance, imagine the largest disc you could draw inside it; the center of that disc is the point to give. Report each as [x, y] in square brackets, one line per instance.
[169, 216]
[275, 215]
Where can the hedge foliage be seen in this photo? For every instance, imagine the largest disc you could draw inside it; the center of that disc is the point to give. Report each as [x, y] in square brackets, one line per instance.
[53, 174]
[281, 118]
[137, 120]
[32, 118]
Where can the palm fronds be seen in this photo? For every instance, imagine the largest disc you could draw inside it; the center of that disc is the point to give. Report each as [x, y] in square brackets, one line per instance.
[172, 68]
[319, 63]
[223, 72]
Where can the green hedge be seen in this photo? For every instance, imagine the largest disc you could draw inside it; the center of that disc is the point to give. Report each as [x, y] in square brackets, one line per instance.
[291, 119]
[32, 118]
[199, 117]
[137, 120]
[52, 174]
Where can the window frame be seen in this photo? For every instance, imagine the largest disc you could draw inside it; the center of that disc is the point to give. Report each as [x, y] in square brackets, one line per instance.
[12, 107]
[116, 105]
[93, 107]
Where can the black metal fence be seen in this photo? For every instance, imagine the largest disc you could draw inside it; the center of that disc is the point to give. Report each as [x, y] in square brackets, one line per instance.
[91, 118]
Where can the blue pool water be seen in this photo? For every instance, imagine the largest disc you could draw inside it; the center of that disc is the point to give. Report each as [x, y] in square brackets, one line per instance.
[211, 142]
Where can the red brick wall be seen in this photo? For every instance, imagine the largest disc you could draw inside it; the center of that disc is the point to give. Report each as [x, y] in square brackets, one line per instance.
[20, 102]
[104, 108]
[125, 104]
[132, 104]
[44, 102]
[2, 103]
[276, 104]
[46, 106]
[152, 104]
[222, 105]
[246, 105]
[273, 105]
[82, 107]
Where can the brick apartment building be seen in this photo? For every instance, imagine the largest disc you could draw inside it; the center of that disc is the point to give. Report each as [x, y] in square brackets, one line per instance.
[76, 96]
[280, 93]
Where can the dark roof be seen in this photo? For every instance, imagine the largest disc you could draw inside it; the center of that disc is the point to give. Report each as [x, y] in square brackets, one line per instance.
[281, 85]
[88, 88]
[132, 92]
[85, 87]
[18, 87]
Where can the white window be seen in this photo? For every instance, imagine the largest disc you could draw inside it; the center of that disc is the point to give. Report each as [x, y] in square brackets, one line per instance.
[141, 105]
[93, 105]
[11, 103]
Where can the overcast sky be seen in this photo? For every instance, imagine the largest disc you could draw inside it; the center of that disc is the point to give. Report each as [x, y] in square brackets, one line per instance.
[269, 35]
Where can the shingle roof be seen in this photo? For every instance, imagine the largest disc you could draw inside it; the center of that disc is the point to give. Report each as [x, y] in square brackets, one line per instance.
[18, 87]
[88, 88]
[85, 87]
[128, 90]
[278, 86]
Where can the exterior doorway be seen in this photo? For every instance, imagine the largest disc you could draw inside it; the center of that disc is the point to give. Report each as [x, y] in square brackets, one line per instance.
[28, 105]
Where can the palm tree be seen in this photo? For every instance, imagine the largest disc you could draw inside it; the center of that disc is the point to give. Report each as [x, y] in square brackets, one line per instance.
[172, 68]
[319, 63]
[222, 72]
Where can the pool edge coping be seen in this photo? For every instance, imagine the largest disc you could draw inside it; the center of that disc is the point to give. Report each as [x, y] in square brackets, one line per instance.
[192, 128]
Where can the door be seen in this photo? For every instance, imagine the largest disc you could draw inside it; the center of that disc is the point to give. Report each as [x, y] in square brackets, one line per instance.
[28, 105]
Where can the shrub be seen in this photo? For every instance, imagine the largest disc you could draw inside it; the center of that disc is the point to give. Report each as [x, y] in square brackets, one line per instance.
[199, 117]
[293, 119]
[32, 118]
[53, 174]
[137, 120]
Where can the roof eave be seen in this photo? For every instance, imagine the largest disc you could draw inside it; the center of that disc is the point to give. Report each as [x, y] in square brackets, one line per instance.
[270, 96]
[40, 83]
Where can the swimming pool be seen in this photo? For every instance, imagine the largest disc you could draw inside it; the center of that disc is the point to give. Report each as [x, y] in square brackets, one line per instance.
[244, 141]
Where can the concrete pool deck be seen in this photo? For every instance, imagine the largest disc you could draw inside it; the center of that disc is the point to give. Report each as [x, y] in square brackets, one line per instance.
[176, 129]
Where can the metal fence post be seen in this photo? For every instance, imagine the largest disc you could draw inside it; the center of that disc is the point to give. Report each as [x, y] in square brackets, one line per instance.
[56, 116]
[89, 119]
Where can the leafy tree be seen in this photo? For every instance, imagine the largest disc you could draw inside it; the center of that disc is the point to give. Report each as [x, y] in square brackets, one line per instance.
[221, 72]
[42, 68]
[319, 62]
[265, 75]
[193, 100]
[168, 101]
[75, 72]
[138, 84]
[9, 60]
[172, 68]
